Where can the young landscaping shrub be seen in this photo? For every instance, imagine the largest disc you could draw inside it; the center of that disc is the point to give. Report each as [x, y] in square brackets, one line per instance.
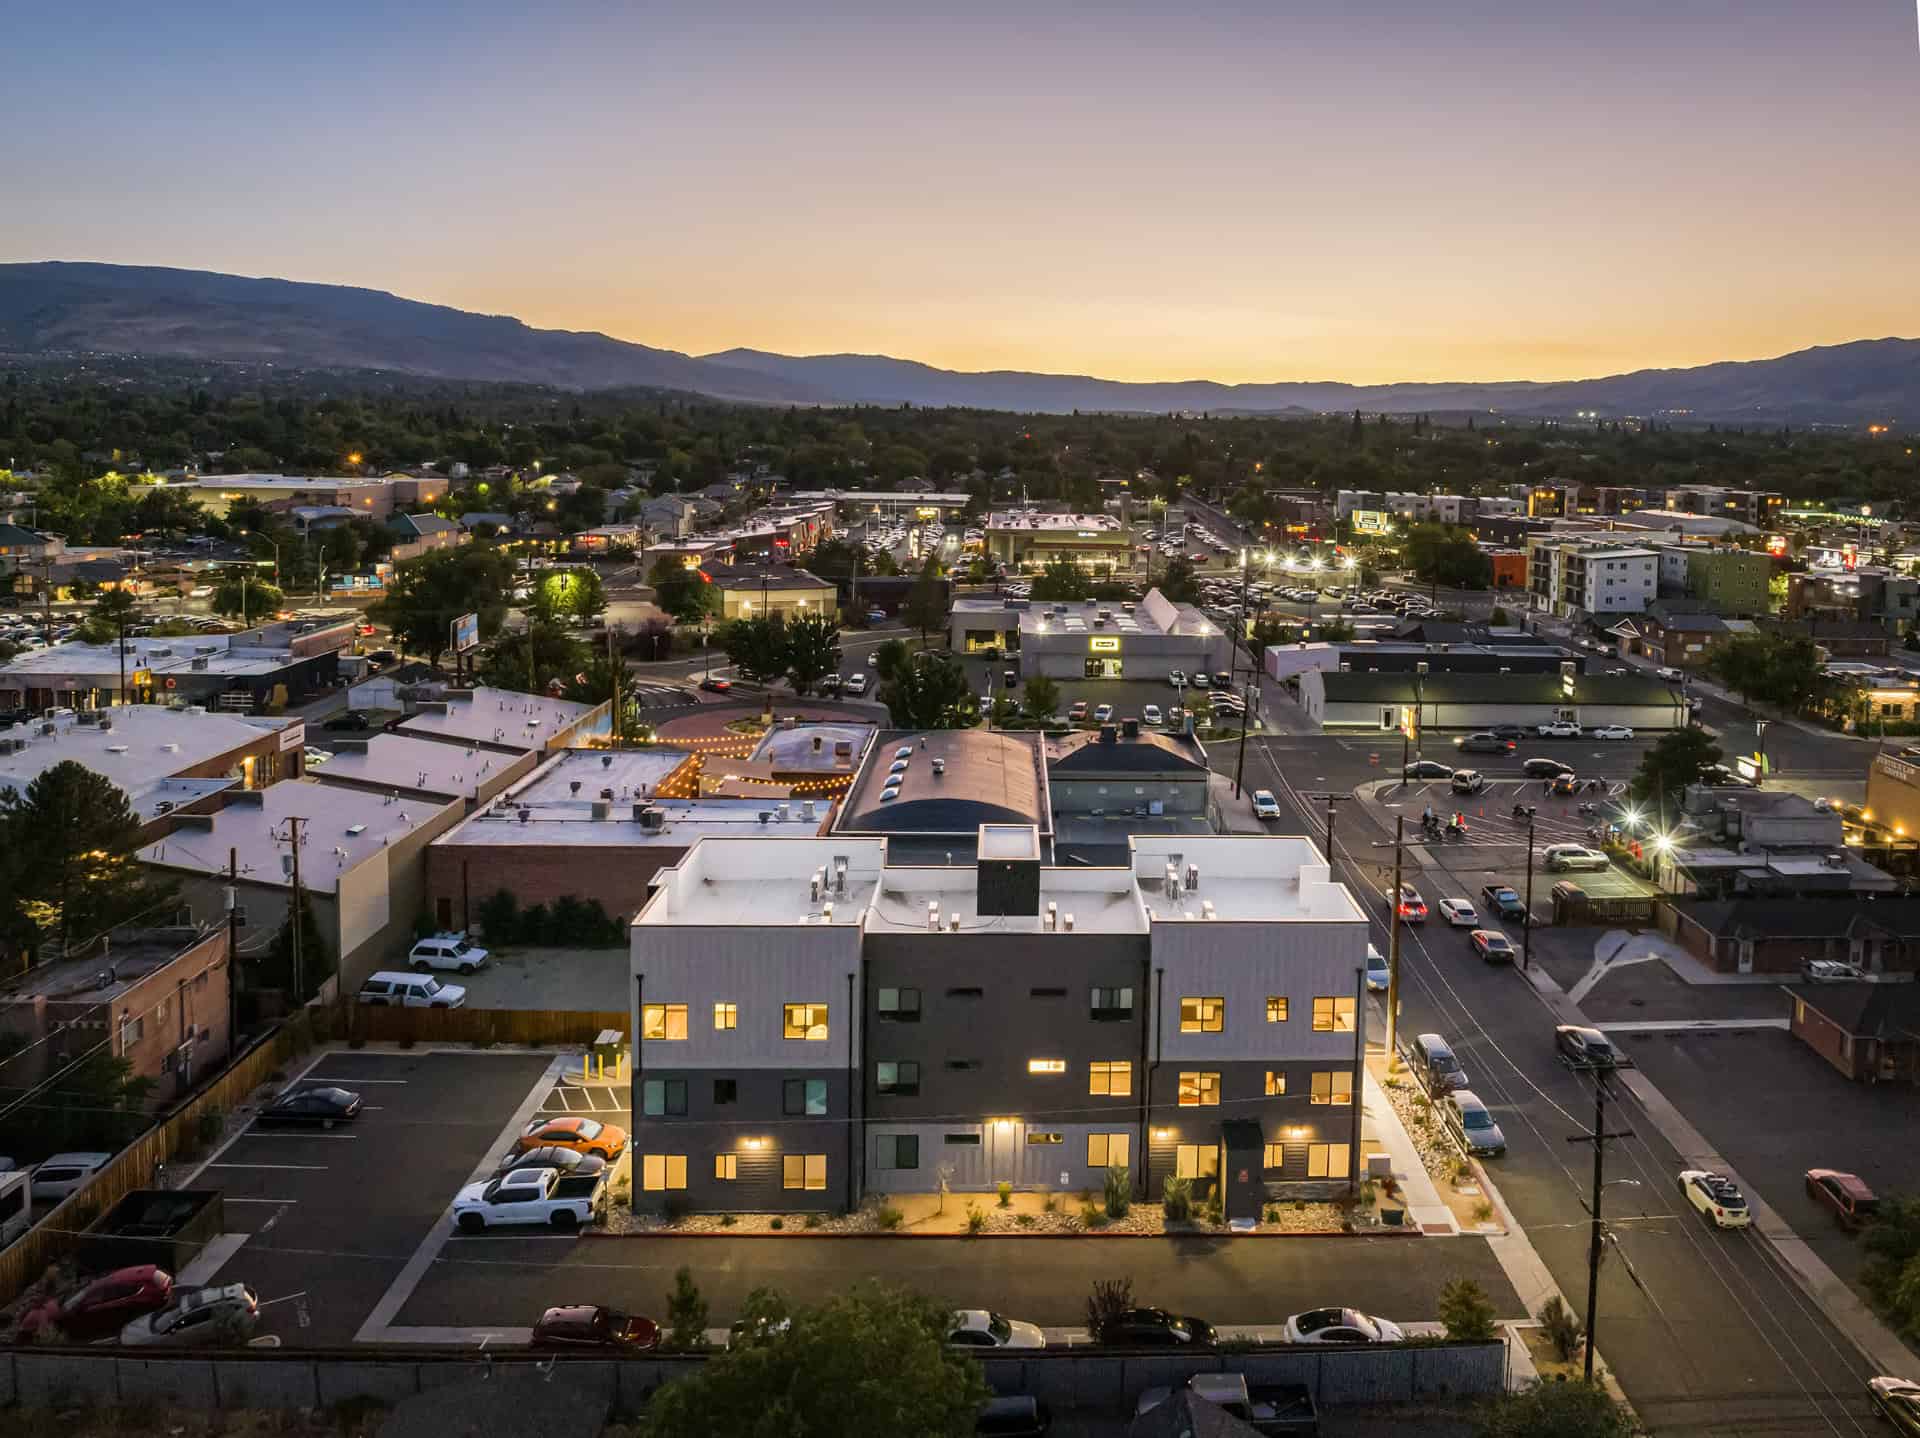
[1005, 1192]
[1119, 1191]
[1089, 1211]
[1465, 1310]
[1110, 1298]
[1482, 1211]
[813, 1220]
[1025, 1220]
[210, 1125]
[777, 1224]
[1459, 1169]
[727, 1220]
[1270, 1214]
[1176, 1198]
[1052, 1205]
[356, 1042]
[888, 1217]
[1215, 1211]
[407, 1042]
[1563, 1330]
[976, 1221]
[686, 1316]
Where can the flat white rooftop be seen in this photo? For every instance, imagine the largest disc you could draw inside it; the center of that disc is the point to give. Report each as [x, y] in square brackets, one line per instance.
[683, 822]
[398, 762]
[141, 745]
[766, 882]
[342, 828]
[1244, 878]
[497, 716]
[1027, 522]
[1098, 901]
[822, 748]
[100, 663]
[1154, 615]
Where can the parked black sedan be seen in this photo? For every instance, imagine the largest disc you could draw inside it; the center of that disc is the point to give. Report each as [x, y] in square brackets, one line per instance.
[1157, 1328]
[1545, 768]
[548, 1156]
[1587, 1047]
[324, 1106]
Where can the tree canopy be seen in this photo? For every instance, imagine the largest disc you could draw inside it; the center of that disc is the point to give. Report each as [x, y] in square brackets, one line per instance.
[929, 692]
[1675, 761]
[425, 595]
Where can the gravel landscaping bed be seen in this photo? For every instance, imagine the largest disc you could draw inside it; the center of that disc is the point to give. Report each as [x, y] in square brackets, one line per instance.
[1141, 1219]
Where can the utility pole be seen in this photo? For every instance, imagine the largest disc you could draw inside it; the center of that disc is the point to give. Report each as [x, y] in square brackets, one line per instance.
[1359, 1072]
[1329, 800]
[1393, 940]
[293, 916]
[1526, 924]
[1598, 1138]
[233, 953]
[1246, 707]
[614, 667]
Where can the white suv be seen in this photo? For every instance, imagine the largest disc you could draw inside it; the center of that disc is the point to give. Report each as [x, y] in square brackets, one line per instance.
[411, 991]
[446, 951]
[1561, 857]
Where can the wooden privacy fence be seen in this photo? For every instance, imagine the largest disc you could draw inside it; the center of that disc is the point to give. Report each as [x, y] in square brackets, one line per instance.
[57, 1232]
[537, 1027]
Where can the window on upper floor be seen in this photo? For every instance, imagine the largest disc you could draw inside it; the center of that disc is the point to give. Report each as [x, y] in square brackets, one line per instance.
[1114, 1079]
[1333, 1088]
[804, 1098]
[663, 1021]
[664, 1098]
[896, 1078]
[1202, 1015]
[899, 1006]
[1333, 1015]
[1109, 1004]
[1199, 1089]
[804, 1021]
[1276, 1008]
[726, 1016]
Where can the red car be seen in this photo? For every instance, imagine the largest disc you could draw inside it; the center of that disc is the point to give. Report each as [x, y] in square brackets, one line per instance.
[1852, 1202]
[104, 1306]
[588, 1325]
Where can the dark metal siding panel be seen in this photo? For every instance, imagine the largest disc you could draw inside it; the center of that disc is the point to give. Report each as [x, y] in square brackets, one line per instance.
[709, 1129]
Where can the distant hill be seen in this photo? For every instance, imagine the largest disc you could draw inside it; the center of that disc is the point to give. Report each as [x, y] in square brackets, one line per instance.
[56, 308]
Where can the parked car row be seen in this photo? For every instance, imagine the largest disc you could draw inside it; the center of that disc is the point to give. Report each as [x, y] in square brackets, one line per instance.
[143, 1307]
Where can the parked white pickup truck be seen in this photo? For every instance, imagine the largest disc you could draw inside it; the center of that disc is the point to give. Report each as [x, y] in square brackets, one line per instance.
[531, 1195]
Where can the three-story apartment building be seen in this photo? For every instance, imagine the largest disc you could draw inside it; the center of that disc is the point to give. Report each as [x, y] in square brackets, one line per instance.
[818, 1024]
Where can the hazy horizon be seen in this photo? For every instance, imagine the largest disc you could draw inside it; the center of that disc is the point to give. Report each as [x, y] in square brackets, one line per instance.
[1240, 193]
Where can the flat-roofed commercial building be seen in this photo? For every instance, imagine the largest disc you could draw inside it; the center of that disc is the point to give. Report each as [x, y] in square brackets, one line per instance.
[509, 721]
[403, 764]
[1100, 640]
[818, 1022]
[238, 673]
[369, 498]
[1030, 539]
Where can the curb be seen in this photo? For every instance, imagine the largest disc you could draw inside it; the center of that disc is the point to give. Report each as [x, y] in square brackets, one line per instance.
[1021, 1237]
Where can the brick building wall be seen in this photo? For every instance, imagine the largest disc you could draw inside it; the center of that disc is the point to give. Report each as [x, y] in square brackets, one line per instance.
[463, 876]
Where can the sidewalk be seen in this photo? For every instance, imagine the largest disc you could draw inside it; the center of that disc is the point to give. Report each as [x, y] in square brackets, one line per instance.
[1380, 1121]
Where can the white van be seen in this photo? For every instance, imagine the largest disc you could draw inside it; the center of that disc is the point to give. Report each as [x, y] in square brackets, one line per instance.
[16, 1213]
[411, 991]
[446, 951]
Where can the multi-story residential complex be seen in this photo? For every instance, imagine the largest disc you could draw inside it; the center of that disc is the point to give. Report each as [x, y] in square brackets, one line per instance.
[1419, 508]
[1563, 499]
[1575, 575]
[1758, 507]
[818, 1023]
[1869, 593]
[1732, 581]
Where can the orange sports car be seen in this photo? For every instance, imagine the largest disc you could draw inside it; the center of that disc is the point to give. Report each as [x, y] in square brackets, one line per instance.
[582, 1135]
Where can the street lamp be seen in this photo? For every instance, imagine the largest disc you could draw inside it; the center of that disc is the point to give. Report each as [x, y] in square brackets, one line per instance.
[1526, 923]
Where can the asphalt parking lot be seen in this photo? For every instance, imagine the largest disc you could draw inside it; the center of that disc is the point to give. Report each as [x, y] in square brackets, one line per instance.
[329, 1217]
[1774, 1109]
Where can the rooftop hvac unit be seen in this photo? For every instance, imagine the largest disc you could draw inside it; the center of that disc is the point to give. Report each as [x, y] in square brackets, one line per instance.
[953, 922]
[840, 862]
[816, 884]
[1053, 916]
[1193, 877]
[1066, 922]
[933, 917]
[1206, 909]
[1170, 882]
[602, 809]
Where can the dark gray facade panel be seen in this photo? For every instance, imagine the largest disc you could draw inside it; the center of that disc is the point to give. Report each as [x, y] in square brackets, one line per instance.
[755, 1130]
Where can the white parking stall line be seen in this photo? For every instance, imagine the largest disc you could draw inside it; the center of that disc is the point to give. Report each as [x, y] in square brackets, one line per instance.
[322, 1137]
[229, 1198]
[248, 1128]
[277, 1167]
[356, 1082]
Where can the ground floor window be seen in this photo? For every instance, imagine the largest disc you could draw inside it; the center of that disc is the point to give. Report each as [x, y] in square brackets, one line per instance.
[804, 1170]
[1196, 1160]
[1105, 1150]
[662, 1171]
[1327, 1160]
[726, 1166]
[896, 1150]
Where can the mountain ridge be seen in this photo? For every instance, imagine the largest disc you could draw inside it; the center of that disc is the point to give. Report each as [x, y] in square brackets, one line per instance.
[54, 307]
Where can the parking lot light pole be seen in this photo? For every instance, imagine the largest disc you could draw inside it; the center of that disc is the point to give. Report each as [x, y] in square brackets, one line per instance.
[1526, 924]
[1393, 941]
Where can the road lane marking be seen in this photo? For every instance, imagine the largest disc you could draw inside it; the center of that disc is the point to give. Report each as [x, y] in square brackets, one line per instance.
[278, 1167]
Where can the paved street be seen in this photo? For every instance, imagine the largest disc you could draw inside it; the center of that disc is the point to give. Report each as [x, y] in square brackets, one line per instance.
[1706, 1331]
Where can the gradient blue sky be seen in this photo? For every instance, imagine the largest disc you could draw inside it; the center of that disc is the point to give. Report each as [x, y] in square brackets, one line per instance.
[1375, 190]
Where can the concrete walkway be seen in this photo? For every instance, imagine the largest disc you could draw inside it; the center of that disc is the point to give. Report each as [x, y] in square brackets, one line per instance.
[1380, 1122]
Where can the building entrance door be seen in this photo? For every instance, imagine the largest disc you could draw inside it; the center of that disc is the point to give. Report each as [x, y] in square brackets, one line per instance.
[1099, 668]
[1005, 1138]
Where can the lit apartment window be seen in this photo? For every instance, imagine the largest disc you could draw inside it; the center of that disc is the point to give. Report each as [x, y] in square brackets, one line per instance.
[726, 1166]
[1196, 1160]
[1043, 1139]
[1202, 1016]
[1109, 1005]
[804, 1098]
[1276, 1008]
[1276, 1082]
[663, 1021]
[1275, 1156]
[897, 1078]
[662, 1171]
[1046, 1066]
[1335, 1088]
[900, 1006]
[1333, 1016]
[1112, 1079]
[805, 1021]
[804, 1170]
[664, 1097]
[899, 1150]
[1105, 1150]
[1328, 1160]
[1199, 1089]
[726, 1016]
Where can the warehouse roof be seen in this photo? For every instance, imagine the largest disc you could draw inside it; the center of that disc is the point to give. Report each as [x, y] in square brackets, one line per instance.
[986, 778]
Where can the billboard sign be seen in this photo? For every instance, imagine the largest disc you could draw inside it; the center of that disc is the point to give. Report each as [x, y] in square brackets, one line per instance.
[1371, 521]
[464, 633]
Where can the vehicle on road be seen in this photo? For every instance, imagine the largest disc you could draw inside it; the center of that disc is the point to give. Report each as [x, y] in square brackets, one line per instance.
[1177, 678]
[983, 1328]
[1491, 945]
[1504, 901]
[567, 1160]
[828, 684]
[1222, 679]
[103, 1307]
[1506, 731]
[1846, 1194]
[1009, 678]
[1565, 858]
[1077, 713]
[876, 616]
[1558, 729]
[531, 1195]
[198, 1316]
[1484, 743]
[1199, 679]
[1150, 714]
[1467, 781]
[1612, 731]
[1566, 782]
[351, 722]
[1539, 768]
[714, 684]
[1157, 1328]
[410, 991]
[856, 685]
[64, 1174]
[1429, 769]
[1341, 1325]
[1434, 1060]
[325, 1106]
[577, 1132]
[1012, 1415]
[1458, 912]
[1668, 673]
[382, 659]
[1829, 971]
[446, 951]
[1278, 1410]
[1898, 1401]
[1265, 806]
[589, 1325]
[1472, 1124]
[1377, 972]
[1413, 908]
[1584, 1046]
[1103, 714]
[1716, 1197]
